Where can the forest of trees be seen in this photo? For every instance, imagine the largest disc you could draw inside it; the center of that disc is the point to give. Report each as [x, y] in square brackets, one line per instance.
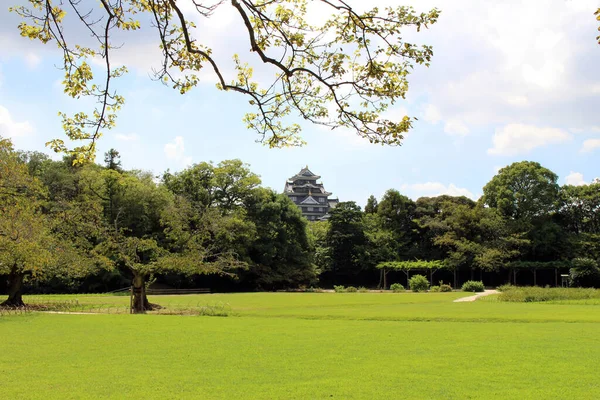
[95, 228]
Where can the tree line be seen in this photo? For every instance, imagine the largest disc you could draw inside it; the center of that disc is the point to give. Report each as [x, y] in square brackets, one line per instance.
[72, 227]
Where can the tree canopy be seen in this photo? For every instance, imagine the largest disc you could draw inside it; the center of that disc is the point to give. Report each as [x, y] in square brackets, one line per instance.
[342, 72]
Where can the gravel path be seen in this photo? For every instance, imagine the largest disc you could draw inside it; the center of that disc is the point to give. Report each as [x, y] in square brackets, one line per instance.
[476, 296]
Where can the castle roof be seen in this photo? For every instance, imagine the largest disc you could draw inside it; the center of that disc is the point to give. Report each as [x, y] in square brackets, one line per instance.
[305, 173]
[309, 200]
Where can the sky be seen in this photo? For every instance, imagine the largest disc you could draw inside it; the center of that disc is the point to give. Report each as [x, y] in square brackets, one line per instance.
[510, 80]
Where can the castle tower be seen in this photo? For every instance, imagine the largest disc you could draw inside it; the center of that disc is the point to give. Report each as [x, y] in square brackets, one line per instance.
[310, 196]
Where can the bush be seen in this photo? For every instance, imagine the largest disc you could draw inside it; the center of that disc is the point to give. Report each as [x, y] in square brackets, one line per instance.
[418, 283]
[397, 287]
[473, 286]
[506, 287]
[584, 273]
[339, 288]
[314, 290]
[351, 289]
[434, 289]
[363, 289]
[445, 288]
[527, 294]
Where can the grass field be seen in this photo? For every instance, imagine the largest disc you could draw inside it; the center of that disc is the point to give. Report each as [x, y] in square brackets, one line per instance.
[307, 346]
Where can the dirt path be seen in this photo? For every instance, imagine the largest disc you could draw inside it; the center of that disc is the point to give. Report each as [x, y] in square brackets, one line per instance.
[476, 296]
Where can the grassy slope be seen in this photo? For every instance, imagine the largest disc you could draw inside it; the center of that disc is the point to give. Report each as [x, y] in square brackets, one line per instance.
[343, 353]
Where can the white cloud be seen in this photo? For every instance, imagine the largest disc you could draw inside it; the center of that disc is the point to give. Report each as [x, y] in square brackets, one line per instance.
[457, 127]
[32, 60]
[517, 100]
[590, 145]
[432, 114]
[515, 139]
[575, 179]
[132, 137]
[431, 189]
[12, 129]
[176, 151]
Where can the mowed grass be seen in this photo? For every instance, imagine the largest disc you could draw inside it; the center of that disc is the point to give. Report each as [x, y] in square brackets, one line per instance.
[307, 346]
[358, 306]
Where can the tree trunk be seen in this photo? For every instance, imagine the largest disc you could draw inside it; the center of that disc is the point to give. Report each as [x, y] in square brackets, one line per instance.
[455, 282]
[140, 302]
[15, 290]
[384, 279]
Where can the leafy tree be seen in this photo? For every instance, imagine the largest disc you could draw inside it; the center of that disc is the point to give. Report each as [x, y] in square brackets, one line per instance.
[580, 208]
[585, 272]
[281, 252]
[24, 233]
[30, 243]
[397, 213]
[429, 215]
[371, 207]
[225, 186]
[522, 191]
[317, 234]
[112, 160]
[343, 73]
[233, 184]
[470, 235]
[152, 232]
[195, 183]
[580, 217]
[346, 240]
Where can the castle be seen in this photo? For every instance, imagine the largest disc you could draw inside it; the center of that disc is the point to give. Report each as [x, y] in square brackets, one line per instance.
[310, 196]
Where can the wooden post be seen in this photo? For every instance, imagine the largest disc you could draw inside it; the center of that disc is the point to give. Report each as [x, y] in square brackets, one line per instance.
[407, 272]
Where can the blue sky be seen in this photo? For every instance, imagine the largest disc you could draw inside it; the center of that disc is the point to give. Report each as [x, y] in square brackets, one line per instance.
[509, 81]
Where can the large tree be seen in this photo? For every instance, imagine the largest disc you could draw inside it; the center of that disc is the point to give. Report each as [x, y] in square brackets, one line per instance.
[343, 72]
[397, 213]
[580, 217]
[522, 191]
[280, 253]
[35, 242]
[225, 186]
[346, 240]
[153, 231]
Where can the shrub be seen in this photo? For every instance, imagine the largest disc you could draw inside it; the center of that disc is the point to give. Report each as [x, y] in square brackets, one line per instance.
[363, 289]
[434, 289]
[473, 286]
[527, 294]
[584, 273]
[418, 283]
[506, 287]
[314, 290]
[351, 289]
[339, 288]
[445, 288]
[396, 287]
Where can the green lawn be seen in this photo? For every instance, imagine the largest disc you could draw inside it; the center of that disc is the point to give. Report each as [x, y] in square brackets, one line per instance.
[307, 346]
